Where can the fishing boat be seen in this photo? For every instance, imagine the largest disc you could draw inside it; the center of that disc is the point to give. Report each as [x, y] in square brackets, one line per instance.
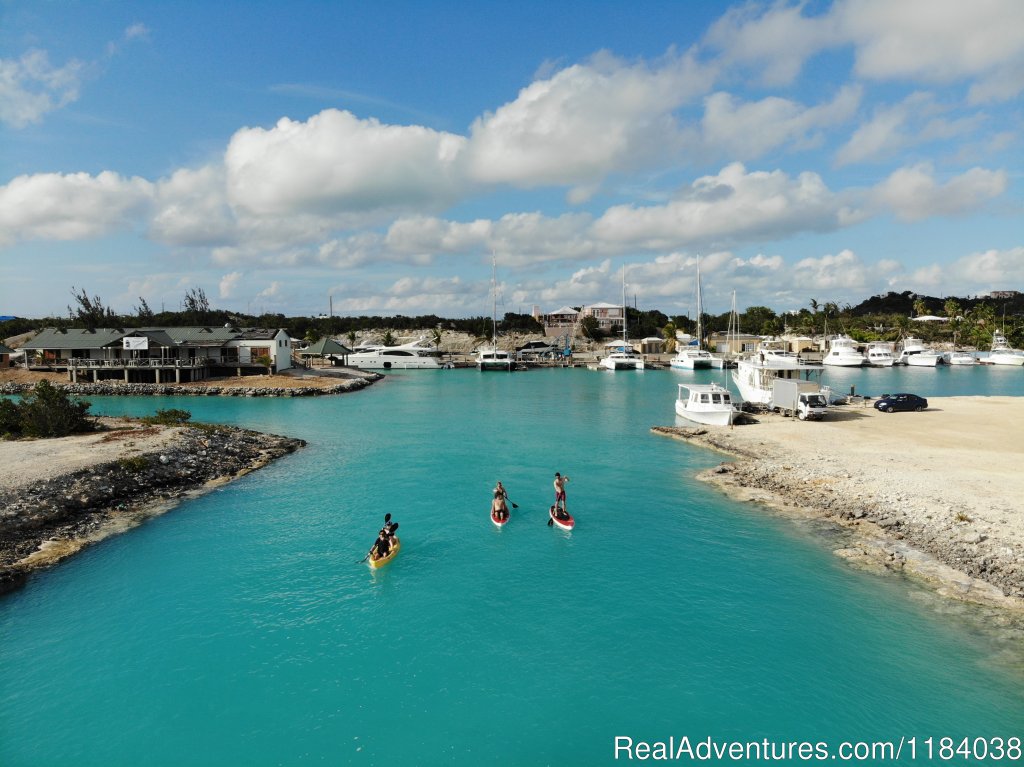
[912, 351]
[1002, 353]
[879, 355]
[708, 404]
[693, 356]
[491, 357]
[623, 357]
[842, 352]
[381, 561]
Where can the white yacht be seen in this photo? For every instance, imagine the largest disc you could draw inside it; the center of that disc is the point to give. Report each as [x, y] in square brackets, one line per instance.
[842, 352]
[709, 404]
[755, 376]
[913, 352]
[624, 358]
[693, 357]
[411, 356]
[1002, 353]
[879, 355]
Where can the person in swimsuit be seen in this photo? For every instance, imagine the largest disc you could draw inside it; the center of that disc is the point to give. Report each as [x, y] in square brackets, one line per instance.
[560, 493]
[498, 506]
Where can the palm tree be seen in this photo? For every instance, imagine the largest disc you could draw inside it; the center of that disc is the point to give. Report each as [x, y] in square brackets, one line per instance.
[351, 336]
[669, 333]
[814, 314]
[920, 308]
[389, 338]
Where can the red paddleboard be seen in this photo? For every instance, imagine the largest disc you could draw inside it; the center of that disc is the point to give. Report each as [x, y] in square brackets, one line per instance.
[565, 522]
[499, 522]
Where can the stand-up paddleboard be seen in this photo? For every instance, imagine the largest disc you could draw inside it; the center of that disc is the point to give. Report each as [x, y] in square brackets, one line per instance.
[381, 561]
[565, 522]
[499, 523]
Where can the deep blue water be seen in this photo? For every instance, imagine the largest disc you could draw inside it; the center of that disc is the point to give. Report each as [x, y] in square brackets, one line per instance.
[239, 628]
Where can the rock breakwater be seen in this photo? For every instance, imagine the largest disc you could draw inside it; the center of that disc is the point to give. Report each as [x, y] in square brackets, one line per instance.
[203, 389]
[45, 520]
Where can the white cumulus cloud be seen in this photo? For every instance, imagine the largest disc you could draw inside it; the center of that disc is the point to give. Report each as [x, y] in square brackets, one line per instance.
[914, 193]
[70, 206]
[31, 86]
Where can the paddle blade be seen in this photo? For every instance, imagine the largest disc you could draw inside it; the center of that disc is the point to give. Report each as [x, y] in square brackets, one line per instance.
[515, 505]
[387, 517]
[550, 522]
[394, 526]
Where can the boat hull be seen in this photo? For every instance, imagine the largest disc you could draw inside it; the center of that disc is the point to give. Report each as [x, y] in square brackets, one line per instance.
[566, 523]
[1006, 359]
[706, 417]
[376, 563]
[499, 523]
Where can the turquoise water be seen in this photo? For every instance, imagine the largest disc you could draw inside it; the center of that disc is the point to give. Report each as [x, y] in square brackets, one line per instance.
[240, 630]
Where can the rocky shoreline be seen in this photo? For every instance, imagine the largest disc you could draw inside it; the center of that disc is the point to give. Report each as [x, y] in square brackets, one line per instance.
[204, 389]
[965, 551]
[46, 519]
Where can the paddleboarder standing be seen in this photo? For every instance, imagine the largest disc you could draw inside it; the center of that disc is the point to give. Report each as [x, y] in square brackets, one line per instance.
[560, 492]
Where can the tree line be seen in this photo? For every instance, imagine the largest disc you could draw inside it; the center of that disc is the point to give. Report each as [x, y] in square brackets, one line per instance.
[971, 320]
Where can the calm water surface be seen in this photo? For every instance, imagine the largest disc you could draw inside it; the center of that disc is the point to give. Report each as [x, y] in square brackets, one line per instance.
[239, 629]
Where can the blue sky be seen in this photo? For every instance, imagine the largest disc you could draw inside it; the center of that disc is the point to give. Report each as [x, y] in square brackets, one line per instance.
[282, 156]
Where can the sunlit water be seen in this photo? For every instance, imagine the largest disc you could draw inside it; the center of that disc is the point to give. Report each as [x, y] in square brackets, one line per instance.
[240, 629]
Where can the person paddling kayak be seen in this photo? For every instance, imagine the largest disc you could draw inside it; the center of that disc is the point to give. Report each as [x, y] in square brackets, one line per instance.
[385, 539]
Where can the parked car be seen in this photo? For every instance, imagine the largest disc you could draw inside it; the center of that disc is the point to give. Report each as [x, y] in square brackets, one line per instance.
[890, 403]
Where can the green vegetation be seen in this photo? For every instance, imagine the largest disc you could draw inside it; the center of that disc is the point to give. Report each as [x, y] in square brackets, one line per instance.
[135, 464]
[44, 412]
[169, 417]
[882, 317]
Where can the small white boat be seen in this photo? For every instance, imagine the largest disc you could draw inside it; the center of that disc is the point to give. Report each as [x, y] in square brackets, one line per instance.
[879, 355]
[912, 351]
[1002, 353]
[960, 358]
[709, 404]
[843, 352]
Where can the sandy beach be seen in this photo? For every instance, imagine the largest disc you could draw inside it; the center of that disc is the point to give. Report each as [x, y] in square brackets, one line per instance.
[936, 495]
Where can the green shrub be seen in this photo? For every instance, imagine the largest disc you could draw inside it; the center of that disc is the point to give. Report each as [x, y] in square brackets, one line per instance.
[169, 417]
[47, 411]
[135, 463]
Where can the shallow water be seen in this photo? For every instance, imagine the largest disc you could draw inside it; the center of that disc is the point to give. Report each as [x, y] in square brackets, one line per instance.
[239, 629]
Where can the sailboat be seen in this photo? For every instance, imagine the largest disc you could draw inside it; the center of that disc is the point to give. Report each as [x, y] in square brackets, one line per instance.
[491, 357]
[624, 358]
[694, 357]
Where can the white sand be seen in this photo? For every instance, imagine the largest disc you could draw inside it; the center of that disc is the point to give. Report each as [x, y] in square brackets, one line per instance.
[948, 481]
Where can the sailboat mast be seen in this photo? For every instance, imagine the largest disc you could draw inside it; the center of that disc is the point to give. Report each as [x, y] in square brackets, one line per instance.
[494, 302]
[700, 310]
[623, 307]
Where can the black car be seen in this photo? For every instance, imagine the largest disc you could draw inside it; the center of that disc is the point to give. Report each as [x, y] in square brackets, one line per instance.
[890, 403]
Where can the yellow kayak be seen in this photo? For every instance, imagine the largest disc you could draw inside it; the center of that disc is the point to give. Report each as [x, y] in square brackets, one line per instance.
[381, 561]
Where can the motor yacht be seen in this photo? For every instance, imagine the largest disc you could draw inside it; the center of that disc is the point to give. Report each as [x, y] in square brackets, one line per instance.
[843, 352]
